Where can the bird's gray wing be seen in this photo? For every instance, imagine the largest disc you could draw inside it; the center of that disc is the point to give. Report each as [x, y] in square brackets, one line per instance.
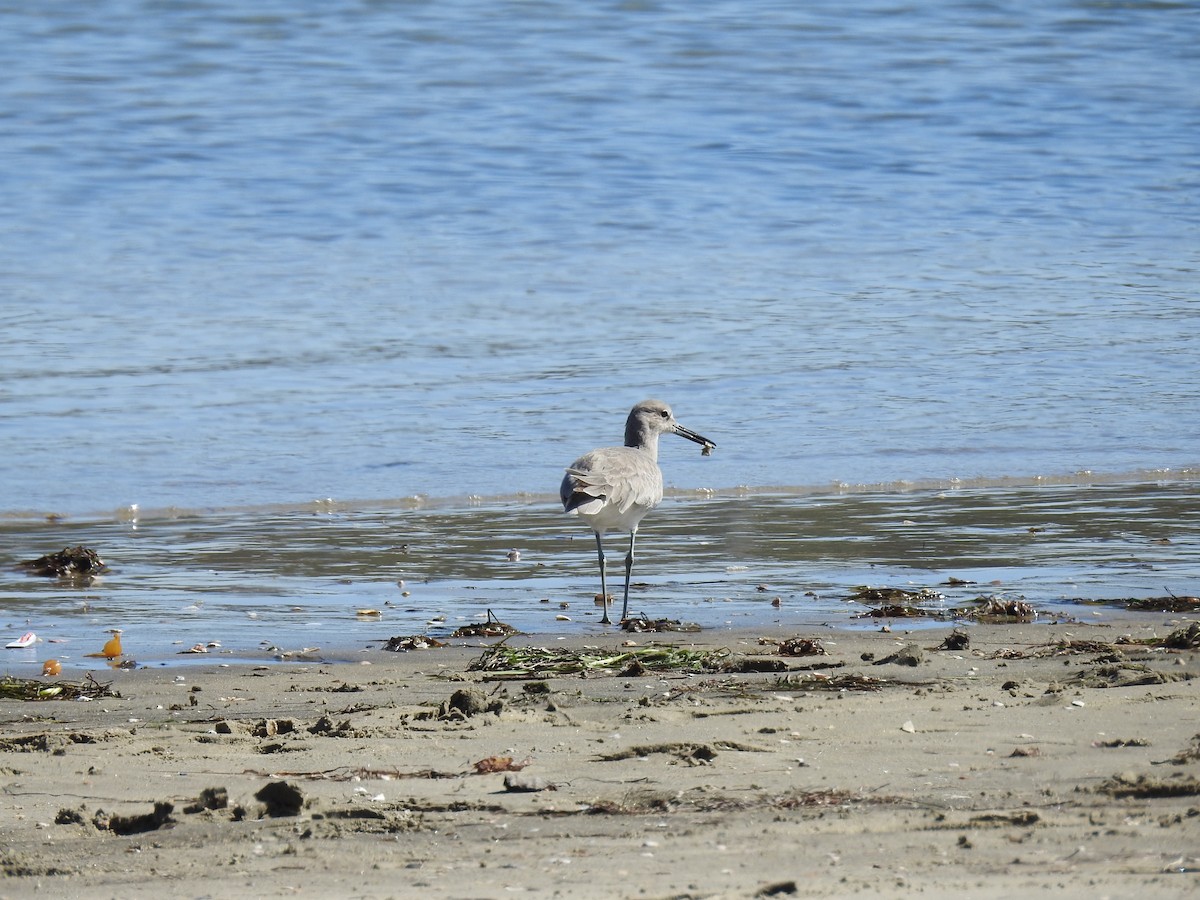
[617, 476]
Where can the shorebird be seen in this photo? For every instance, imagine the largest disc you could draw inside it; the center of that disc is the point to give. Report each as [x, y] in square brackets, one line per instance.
[612, 488]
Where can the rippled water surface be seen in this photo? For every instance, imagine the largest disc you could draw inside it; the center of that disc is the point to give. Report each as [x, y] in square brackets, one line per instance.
[400, 255]
[268, 582]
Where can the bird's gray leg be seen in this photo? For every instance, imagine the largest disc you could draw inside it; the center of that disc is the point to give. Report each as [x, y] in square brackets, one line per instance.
[603, 584]
[628, 572]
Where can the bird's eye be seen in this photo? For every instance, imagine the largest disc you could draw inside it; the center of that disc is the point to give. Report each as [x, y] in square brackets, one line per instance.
[665, 414]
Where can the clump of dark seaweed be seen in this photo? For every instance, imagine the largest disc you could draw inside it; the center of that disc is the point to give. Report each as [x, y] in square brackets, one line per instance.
[997, 610]
[70, 562]
[898, 603]
[493, 627]
[1170, 603]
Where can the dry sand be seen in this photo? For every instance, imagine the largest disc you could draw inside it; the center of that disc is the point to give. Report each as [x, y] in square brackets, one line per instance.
[1015, 767]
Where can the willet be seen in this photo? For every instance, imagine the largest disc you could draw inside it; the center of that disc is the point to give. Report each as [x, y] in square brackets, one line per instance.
[614, 487]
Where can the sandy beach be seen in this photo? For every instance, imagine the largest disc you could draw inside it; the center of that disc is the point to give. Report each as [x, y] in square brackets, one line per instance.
[1038, 758]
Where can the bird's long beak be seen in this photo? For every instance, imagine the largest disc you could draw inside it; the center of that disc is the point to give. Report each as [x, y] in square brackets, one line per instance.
[698, 438]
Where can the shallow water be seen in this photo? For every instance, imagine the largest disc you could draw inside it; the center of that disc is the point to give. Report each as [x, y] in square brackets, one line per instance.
[372, 251]
[265, 582]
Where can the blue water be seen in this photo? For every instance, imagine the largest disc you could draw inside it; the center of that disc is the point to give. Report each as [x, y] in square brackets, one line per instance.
[364, 250]
[402, 256]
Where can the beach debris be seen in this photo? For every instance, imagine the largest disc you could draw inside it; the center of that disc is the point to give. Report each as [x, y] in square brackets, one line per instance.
[809, 681]
[1144, 787]
[734, 663]
[1170, 603]
[112, 647]
[634, 670]
[304, 654]
[68, 816]
[897, 602]
[744, 665]
[493, 764]
[642, 623]
[902, 603]
[1124, 674]
[501, 661]
[527, 784]
[356, 773]
[493, 627]
[997, 610]
[1026, 752]
[1105, 651]
[51, 668]
[463, 704]
[691, 752]
[1187, 638]
[778, 889]
[1065, 648]
[368, 613]
[1121, 742]
[71, 562]
[895, 611]
[281, 798]
[119, 824]
[908, 655]
[402, 644]
[28, 639]
[136, 824]
[210, 798]
[273, 727]
[801, 646]
[330, 728]
[956, 640]
[34, 689]
[472, 703]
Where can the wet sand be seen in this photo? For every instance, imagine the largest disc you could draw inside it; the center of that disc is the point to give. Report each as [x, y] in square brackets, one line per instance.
[1040, 758]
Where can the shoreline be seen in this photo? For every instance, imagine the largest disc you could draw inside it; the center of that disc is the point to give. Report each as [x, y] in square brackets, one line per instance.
[26, 663]
[128, 513]
[1041, 757]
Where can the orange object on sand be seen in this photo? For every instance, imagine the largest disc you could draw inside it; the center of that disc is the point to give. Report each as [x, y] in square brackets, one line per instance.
[52, 667]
